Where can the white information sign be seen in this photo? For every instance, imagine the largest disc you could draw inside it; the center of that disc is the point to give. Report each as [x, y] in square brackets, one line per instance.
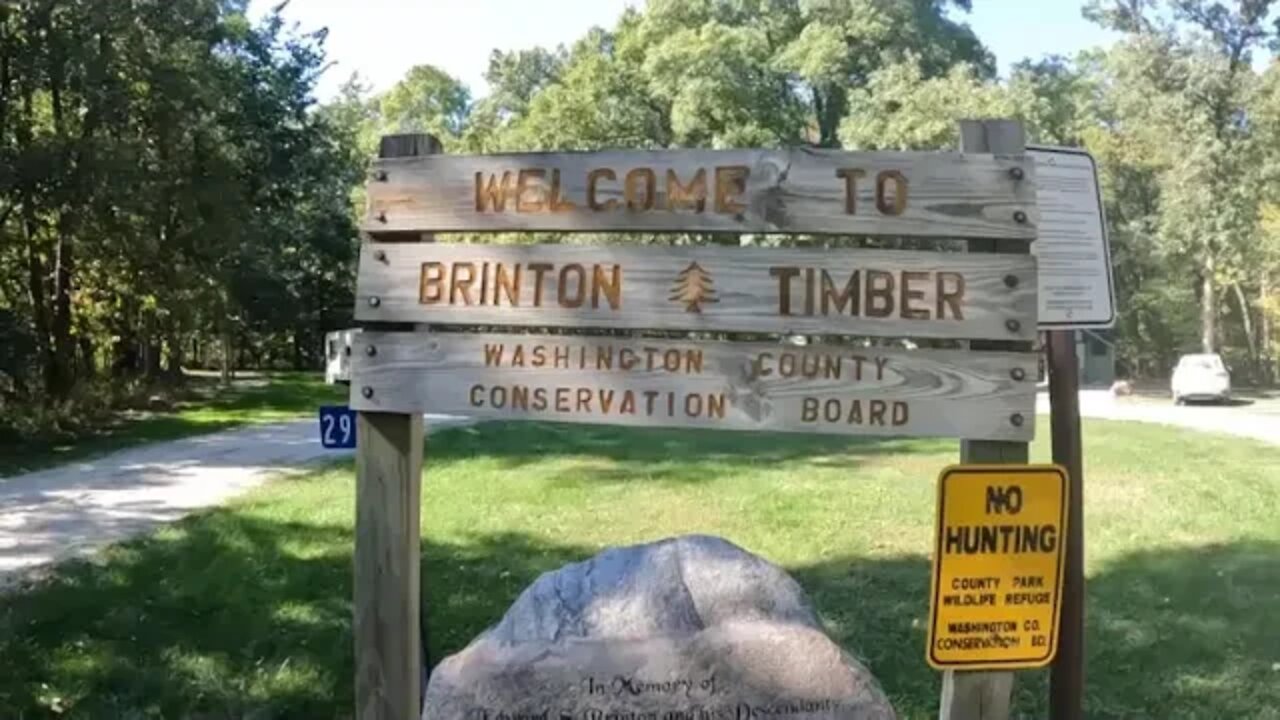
[1074, 256]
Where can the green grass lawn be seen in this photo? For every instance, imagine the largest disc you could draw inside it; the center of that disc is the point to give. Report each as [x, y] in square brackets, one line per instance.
[245, 611]
[206, 407]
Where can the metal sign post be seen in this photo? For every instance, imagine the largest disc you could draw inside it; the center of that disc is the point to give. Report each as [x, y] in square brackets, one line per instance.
[1066, 688]
[1076, 292]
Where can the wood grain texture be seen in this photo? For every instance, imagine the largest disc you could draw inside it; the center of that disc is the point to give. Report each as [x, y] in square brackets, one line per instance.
[742, 289]
[387, 590]
[976, 695]
[800, 190]
[830, 389]
[970, 695]
[387, 594]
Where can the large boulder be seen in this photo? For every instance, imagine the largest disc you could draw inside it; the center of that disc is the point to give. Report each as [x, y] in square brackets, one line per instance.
[691, 628]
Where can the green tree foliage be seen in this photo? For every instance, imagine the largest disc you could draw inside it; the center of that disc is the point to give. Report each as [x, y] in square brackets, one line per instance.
[902, 109]
[598, 100]
[1184, 130]
[165, 182]
[1181, 94]
[514, 79]
[718, 73]
[841, 44]
[427, 100]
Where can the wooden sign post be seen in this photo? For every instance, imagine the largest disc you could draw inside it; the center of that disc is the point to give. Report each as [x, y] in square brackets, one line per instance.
[986, 695]
[388, 534]
[640, 330]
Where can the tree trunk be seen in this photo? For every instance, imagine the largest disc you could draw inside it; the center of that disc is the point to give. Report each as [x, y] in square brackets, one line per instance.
[1208, 310]
[64, 351]
[64, 250]
[154, 367]
[1264, 328]
[1246, 319]
[175, 357]
[226, 354]
[124, 328]
[88, 366]
[829, 107]
[149, 344]
[124, 355]
[39, 301]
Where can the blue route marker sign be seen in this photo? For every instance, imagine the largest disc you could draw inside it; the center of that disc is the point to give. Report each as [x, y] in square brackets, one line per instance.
[337, 427]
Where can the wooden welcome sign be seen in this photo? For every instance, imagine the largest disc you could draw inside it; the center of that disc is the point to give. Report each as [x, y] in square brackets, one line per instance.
[648, 339]
[788, 191]
[706, 289]
[835, 389]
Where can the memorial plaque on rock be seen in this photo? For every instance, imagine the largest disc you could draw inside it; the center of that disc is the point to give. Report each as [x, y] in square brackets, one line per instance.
[692, 628]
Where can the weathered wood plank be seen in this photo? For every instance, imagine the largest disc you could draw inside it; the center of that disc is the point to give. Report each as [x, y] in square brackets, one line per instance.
[837, 389]
[801, 190]
[813, 291]
[968, 695]
[387, 594]
[387, 561]
[986, 695]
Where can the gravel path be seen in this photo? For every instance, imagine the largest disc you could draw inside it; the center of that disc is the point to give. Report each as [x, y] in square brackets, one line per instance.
[76, 508]
[1258, 422]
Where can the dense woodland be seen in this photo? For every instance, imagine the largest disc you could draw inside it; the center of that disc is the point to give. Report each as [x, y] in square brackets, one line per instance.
[173, 194]
[170, 192]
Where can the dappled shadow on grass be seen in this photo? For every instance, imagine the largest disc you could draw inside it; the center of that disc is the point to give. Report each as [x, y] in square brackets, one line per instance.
[232, 615]
[123, 431]
[1172, 632]
[220, 616]
[1193, 632]
[677, 455]
[1185, 632]
[287, 392]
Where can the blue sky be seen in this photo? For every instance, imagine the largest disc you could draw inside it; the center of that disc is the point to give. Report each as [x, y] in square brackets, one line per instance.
[381, 39]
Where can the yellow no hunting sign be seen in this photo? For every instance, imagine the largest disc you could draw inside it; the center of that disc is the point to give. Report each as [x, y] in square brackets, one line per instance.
[997, 566]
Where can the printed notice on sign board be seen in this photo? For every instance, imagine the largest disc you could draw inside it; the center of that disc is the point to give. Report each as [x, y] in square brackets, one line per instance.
[997, 566]
[1072, 249]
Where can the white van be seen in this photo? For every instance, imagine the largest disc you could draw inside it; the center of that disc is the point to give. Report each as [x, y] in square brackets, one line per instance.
[337, 356]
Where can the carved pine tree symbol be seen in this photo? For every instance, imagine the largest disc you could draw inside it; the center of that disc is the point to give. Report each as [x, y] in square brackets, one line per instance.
[693, 287]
